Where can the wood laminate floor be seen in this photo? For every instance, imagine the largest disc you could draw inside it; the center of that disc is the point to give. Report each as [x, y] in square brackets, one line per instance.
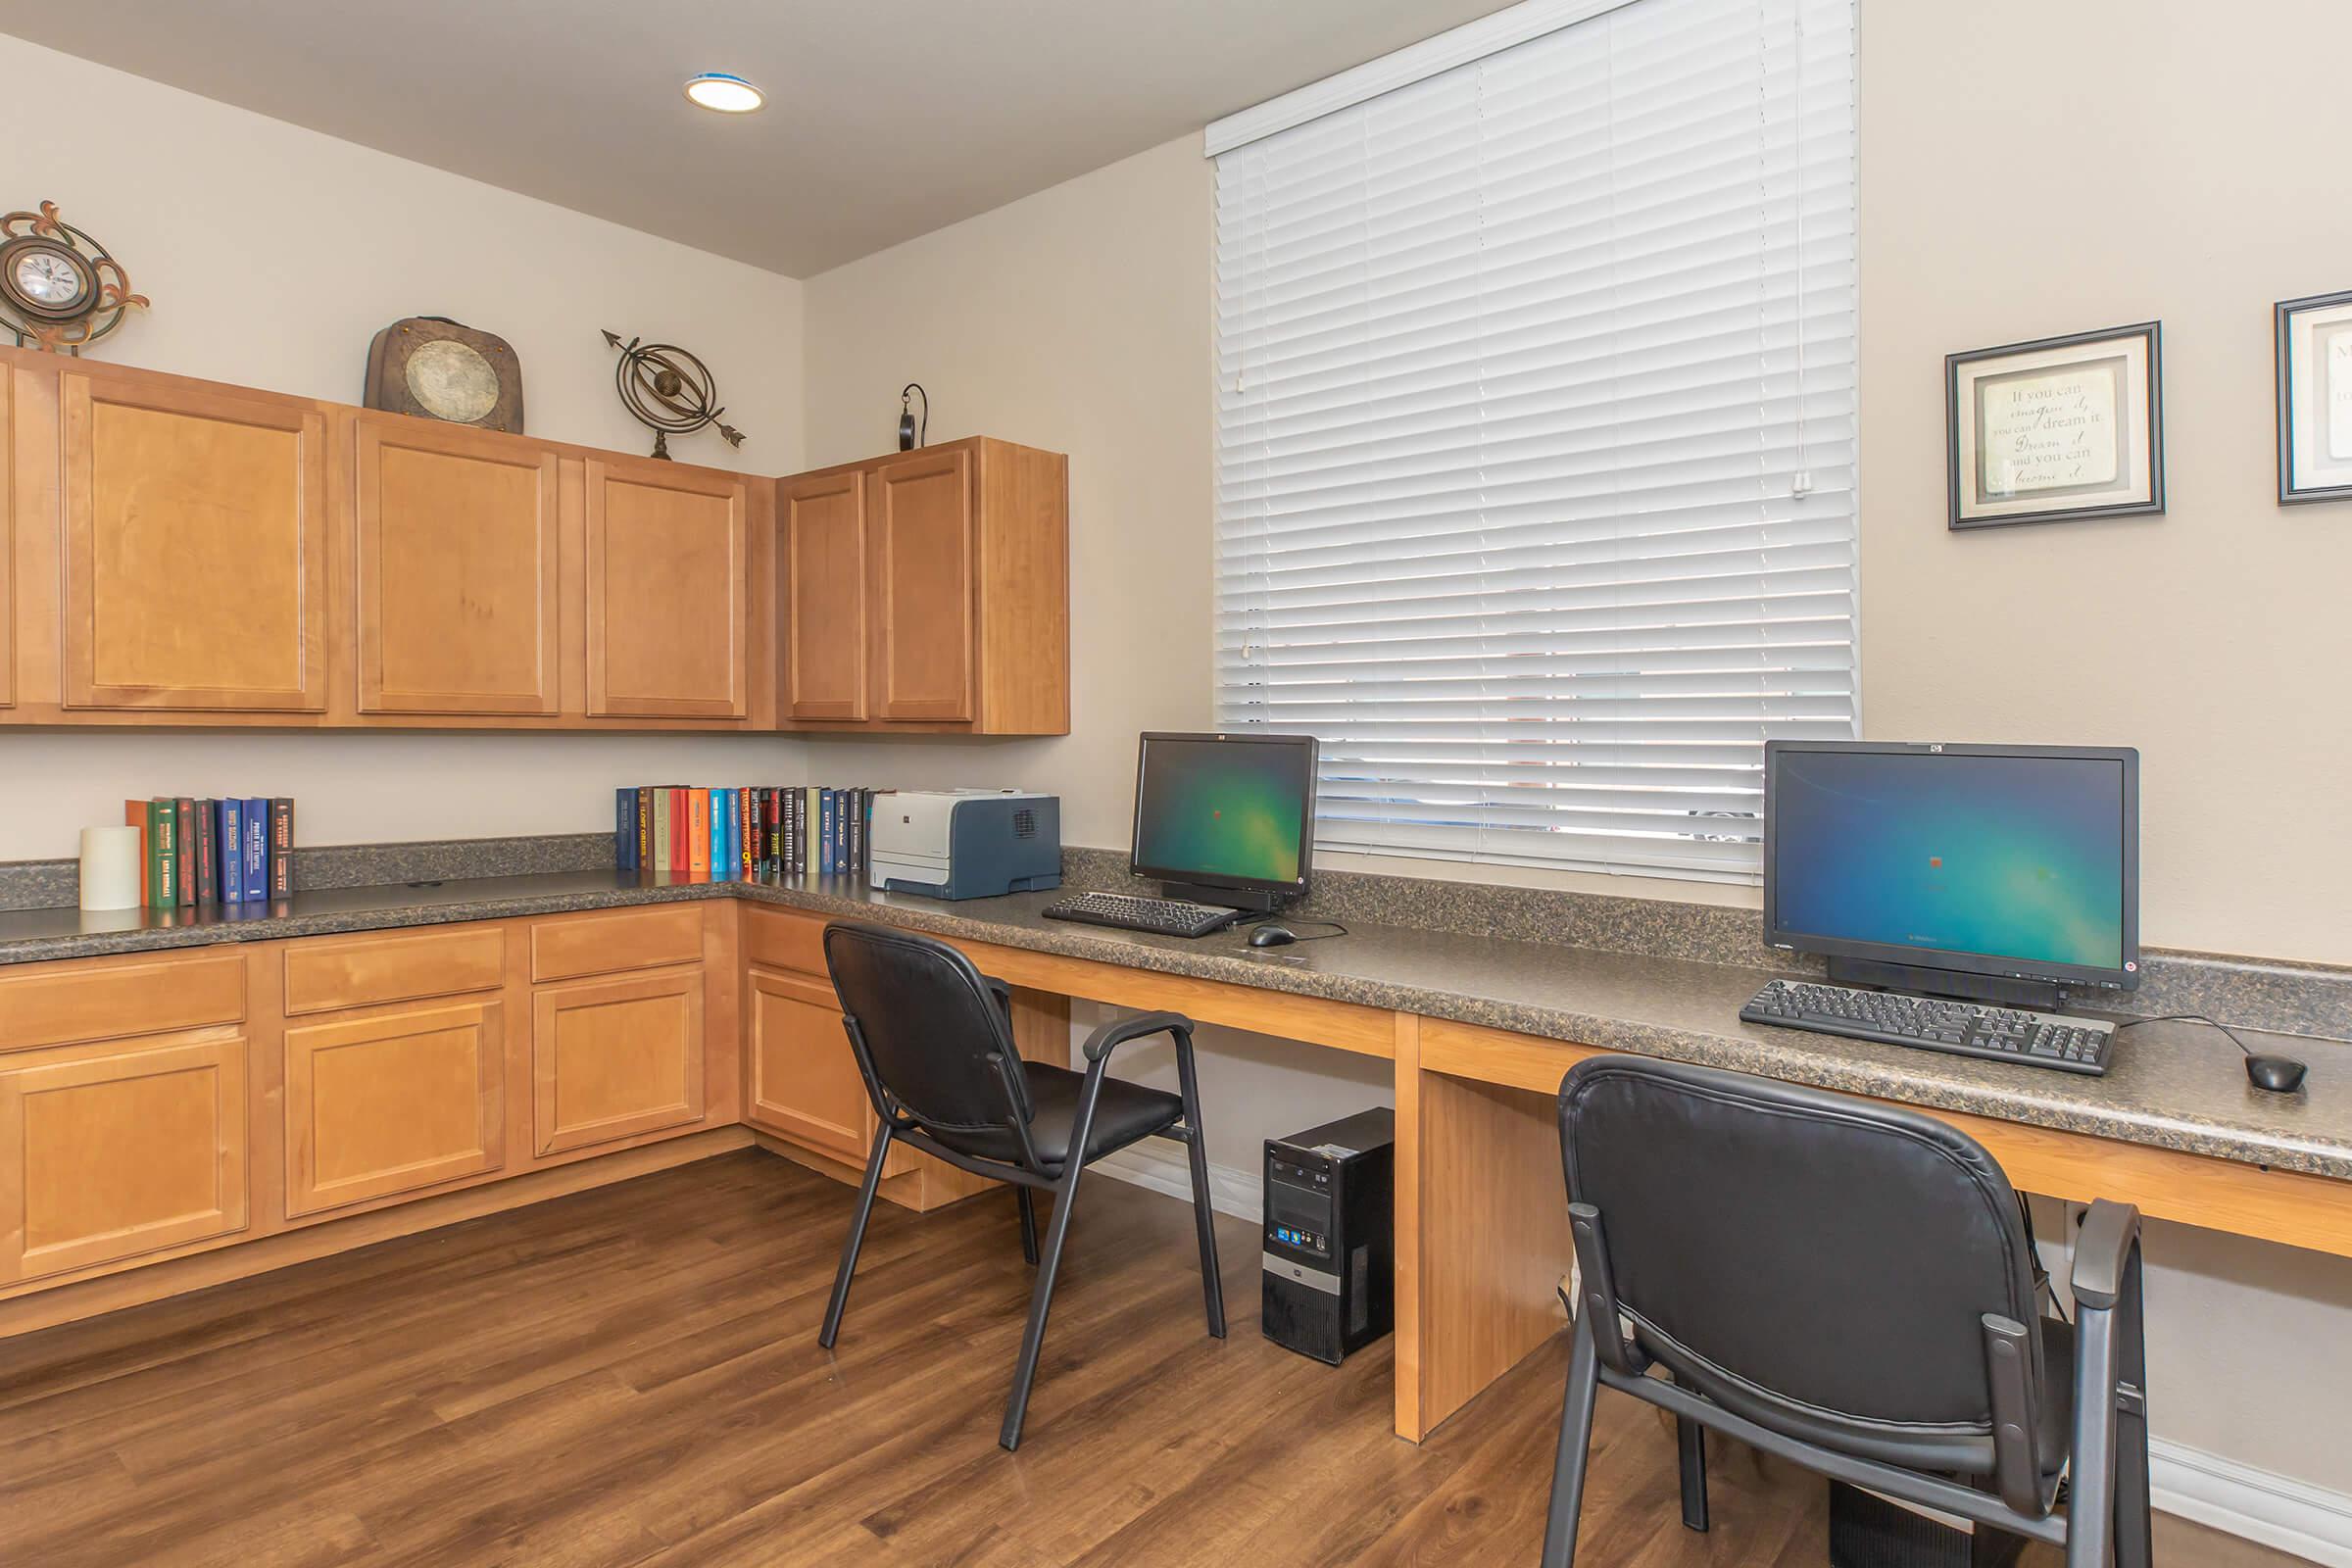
[632, 1377]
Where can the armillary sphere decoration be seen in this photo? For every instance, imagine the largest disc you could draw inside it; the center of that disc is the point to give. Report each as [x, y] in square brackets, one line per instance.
[58, 289]
[667, 390]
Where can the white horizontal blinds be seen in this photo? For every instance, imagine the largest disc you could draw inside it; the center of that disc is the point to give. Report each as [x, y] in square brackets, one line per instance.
[1536, 438]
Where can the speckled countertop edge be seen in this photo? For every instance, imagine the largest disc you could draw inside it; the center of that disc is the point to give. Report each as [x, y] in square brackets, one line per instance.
[1656, 983]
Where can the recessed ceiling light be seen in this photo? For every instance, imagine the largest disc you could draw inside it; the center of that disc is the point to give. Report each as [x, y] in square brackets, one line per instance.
[730, 95]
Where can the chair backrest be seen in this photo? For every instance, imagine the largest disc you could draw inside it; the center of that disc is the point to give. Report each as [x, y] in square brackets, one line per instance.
[930, 1038]
[1816, 1263]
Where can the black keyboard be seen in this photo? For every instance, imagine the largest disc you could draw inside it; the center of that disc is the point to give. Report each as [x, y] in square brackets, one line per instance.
[1175, 917]
[1963, 1028]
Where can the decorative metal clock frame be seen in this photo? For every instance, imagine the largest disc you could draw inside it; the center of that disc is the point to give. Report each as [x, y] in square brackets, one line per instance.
[59, 288]
[667, 390]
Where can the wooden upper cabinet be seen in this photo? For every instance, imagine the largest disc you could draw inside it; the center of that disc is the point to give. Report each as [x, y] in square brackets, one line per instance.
[964, 621]
[8, 541]
[669, 589]
[923, 586]
[457, 550]
[824, 589]
[194, 547]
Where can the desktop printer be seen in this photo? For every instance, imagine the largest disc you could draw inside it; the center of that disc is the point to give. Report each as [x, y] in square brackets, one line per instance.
[965, 844]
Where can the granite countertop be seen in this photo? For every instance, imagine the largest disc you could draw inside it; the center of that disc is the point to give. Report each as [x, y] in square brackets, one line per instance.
[2171, 1084]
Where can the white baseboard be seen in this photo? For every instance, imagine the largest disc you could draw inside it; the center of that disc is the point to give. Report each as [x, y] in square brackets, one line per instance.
[2277, 1511]
[1162, 1167]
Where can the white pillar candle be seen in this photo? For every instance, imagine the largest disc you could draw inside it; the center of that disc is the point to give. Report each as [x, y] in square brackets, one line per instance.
[110, 867]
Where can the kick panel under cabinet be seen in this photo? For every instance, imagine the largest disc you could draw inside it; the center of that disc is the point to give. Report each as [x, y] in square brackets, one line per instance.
[176, 552]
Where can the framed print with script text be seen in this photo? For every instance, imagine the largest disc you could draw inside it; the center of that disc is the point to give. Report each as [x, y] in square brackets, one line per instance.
[2315, 398]
[2051, 431]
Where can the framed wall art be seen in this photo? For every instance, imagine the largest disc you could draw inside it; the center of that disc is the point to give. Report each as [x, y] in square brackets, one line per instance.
[2055, 430]
[2315, 398]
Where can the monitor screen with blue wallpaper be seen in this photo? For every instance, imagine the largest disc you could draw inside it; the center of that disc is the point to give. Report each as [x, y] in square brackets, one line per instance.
[2010, 857]
[1224, 809]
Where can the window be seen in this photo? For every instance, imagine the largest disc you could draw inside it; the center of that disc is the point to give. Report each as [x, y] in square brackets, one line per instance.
[1536, 436]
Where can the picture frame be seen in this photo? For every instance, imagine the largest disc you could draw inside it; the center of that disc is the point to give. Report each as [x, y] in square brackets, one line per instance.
[2057, 430]
[2313, 338]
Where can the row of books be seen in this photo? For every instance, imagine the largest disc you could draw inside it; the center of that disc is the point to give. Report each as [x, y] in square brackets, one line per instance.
[743, 834]
[199, 851]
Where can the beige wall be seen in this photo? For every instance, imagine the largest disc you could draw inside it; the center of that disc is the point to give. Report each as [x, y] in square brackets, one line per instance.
[1076, 319]
[273, 256]
[2176, 170]
[2029, 170]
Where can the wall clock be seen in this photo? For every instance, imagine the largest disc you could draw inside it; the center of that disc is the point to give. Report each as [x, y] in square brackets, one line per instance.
[436, 368]
[59, 288]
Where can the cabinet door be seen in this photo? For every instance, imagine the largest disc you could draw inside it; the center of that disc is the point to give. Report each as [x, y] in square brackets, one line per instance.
[8, 540]
[457, 570]
[195, 549]
[112, 1149]
[805, 1082]
[923, 587]
[667, 566]
[824, 596]
[392, 1103]
[614, 1059]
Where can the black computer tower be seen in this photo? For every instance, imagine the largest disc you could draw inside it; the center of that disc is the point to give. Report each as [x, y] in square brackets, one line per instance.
[1331, 1237]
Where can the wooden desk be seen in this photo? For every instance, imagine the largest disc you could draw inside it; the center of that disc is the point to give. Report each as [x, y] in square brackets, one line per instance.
[1482, 1227]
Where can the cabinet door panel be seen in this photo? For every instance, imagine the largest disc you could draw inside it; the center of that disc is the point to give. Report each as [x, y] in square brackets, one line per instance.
[923, 587]
[805, 1082]
[109, 1150]
[456, 571]
[391, 1104]
[195, 560]
[667, 568]
[614, 1058]
[8, 540]
[824, 596]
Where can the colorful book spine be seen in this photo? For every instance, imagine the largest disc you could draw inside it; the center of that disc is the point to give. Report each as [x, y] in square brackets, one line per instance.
[135, 814]
[841, 831]
[281, 846]
[697, 834]
[661, 850]
[771, 841]
[644, 828]
[824, 832]
[624, 829]
[681, 818]
[208, 851]
[809, 830]
[257, 849]
[183, 838]
[231, 841]
[722, 834]
[747, 854]
[162, 853]
[860, 801]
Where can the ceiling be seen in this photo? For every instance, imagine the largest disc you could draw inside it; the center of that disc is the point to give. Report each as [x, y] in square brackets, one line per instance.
[885, 118]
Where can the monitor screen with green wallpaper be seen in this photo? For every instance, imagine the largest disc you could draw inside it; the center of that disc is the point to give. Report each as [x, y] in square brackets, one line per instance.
[2020, 862]
[1226, 810]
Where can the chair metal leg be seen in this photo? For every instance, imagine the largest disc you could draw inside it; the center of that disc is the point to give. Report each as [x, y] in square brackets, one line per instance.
[2093, 1494]
[1204, 1217]
[1041, 1300]
[1028, 1224]
[1576, 1437]
[1691, 1440]
[857, 1237]
[2134, 1542]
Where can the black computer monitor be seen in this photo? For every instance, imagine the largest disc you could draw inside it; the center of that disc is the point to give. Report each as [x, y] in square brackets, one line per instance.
[1226, 818]
[1999, 872]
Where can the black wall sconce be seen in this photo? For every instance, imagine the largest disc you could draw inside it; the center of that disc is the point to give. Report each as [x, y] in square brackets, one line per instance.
[909, 439]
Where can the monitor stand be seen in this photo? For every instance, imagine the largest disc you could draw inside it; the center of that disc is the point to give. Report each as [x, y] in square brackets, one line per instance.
[2039, 995]
[1250, 900]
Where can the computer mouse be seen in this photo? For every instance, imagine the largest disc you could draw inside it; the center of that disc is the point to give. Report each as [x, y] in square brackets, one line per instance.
[2281, 1075]
[1273, 935]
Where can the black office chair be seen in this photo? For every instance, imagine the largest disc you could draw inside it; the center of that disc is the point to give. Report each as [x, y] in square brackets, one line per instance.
[1848, 1286]
[933, 1039]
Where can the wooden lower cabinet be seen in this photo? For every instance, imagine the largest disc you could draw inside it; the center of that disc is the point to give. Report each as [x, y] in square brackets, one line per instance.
[119, 1148]
[393, 1103]
[616, 1059]
[803, 1082]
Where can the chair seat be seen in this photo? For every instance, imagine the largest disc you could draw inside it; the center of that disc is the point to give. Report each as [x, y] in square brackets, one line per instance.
[1124, 1113]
